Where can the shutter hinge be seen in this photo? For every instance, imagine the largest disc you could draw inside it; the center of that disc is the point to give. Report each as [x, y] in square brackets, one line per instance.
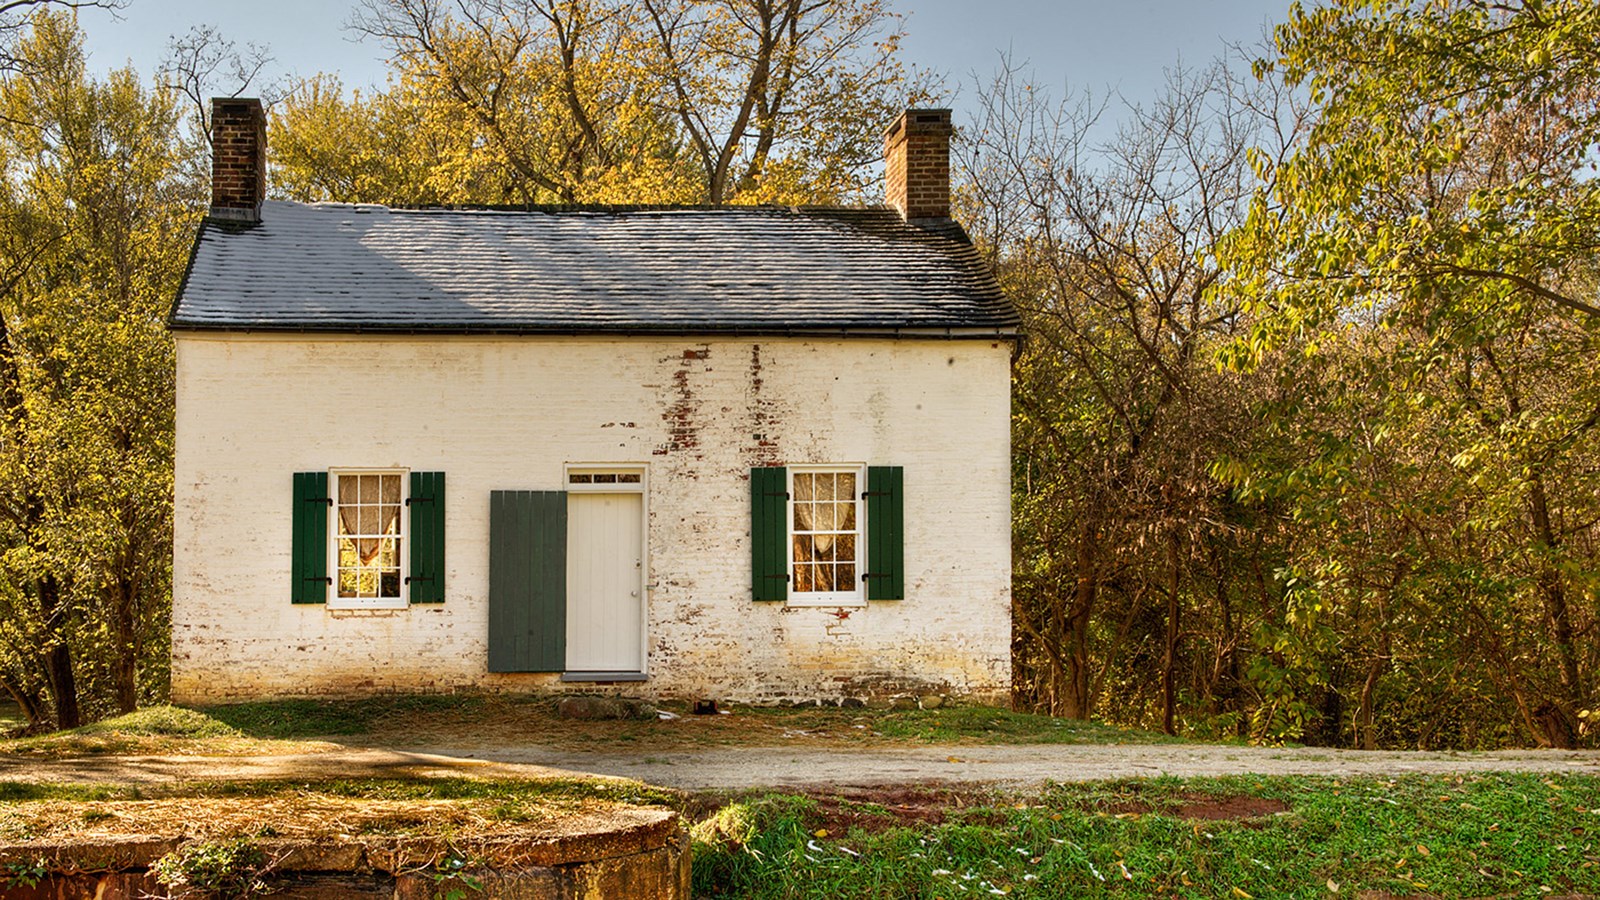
[327, 500]
[411, 578]
[411, 500]
[783, 494]
[322, 578]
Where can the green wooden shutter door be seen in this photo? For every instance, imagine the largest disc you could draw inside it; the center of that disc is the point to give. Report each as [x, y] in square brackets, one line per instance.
[527, 581]
[769, 533]
[426, 509]
[886, 546]
[308, 553]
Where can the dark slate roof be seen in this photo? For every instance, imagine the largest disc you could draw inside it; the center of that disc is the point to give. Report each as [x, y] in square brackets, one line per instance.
[760, 270]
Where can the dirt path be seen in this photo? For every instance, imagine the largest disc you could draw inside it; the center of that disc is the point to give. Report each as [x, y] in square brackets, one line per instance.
[1010, 766]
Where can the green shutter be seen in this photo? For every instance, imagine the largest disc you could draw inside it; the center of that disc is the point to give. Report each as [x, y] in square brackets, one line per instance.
[308, 566]
[527, 581]
[769, 533]
[886, 545]
[425, 506]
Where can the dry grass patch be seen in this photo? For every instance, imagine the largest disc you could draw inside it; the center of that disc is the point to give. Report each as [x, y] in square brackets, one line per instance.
[341, 810]
[299, 815]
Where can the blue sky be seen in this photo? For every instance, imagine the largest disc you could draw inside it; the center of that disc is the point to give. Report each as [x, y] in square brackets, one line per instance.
[1120, 45]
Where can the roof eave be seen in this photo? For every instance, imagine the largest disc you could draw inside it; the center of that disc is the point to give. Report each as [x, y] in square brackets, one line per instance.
[1005, 331]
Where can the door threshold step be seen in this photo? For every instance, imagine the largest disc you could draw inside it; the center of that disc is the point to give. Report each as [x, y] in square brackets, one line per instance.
[603, 676]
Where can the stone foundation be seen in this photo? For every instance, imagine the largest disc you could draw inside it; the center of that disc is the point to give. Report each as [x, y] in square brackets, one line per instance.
[640, 854]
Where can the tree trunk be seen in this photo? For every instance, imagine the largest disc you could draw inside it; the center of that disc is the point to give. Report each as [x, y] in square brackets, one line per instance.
[1075, 703]
[1556, 719]
[125, 671]
[1169, 663]
[58, 660]
[28, 701]
[1366, 739]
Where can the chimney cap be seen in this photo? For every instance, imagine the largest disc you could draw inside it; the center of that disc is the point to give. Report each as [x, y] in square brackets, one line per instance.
[926, 120]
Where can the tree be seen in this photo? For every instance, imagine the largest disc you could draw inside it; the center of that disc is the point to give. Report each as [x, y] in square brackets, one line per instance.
[778, 97]
[1431, 247]
[1122, 536]
[605, 101]
[94, 215]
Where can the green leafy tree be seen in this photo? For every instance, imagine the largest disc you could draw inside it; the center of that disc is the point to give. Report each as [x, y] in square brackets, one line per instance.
[1425, 261]
[94, 217]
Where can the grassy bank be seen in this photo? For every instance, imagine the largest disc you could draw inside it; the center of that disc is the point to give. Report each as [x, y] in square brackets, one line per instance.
[1500, 836]
[1414, 837]
[420, 720]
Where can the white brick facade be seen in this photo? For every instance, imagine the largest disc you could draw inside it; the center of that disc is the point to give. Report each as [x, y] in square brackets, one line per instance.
[508, 413]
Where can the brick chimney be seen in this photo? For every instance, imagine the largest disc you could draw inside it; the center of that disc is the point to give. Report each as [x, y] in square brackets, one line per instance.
[238, 158]
[916, 152]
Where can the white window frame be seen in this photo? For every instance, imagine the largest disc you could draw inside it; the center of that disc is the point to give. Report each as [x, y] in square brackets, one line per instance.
[334, 600]
[857, 597]
[605, 487]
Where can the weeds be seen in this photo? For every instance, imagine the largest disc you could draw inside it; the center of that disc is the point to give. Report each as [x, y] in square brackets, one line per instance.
[225, 869]
[1502, 836]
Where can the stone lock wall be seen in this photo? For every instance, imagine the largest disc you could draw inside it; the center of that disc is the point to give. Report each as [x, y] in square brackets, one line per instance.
[508, 413]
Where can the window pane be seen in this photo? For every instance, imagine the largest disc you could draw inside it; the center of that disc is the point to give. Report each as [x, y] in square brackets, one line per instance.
[824, 485]
[844, 548]
[366, 551]
[347, 553]
[803, 548]
[391, 488]
[802, 487]
[802, 516]
[804, 578]
[606, 478]
[847, 576]
[348, 583]
[823, 544]
[388, 552]
[629, 478]
[847, 517]
[369, 489]
[824, 578]
[391, 583]
[576, 478]
[347, 489]
[846, 487]
[822, 519]
[369, 520]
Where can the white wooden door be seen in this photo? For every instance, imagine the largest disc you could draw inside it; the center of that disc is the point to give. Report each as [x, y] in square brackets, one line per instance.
[605, 582]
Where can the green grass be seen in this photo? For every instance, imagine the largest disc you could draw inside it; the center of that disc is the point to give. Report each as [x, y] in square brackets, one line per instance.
[507, 790]
[161, 721]
[151, 728]
[1000, 726]
[304, 718]
[319, 718]
[22, 792]
[1500, 836]
[1497, 836]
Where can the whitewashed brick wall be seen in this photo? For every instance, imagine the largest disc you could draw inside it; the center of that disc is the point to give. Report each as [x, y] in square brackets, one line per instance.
[507, 413]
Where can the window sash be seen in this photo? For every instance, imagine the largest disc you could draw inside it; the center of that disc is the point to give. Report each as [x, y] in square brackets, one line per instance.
[375, 530]
[825, 531]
